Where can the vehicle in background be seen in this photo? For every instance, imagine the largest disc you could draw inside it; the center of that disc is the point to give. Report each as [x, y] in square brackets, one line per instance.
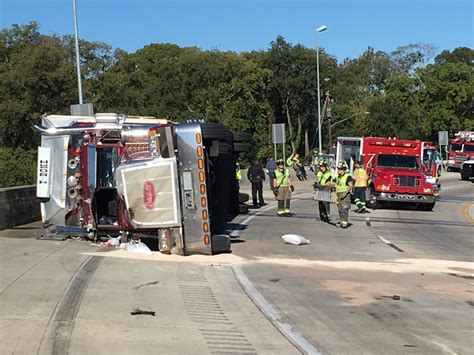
[113, 174]
[461, 149]
[467, 170]
[395, 169]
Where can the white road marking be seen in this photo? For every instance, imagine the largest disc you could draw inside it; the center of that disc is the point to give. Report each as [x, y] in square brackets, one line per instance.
[265, 306]
[273, 315]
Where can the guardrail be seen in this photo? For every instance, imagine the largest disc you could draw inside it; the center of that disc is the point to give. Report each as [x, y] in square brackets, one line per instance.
[18, 205]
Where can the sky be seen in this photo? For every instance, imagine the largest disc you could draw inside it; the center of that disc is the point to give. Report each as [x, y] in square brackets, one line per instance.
[245, 25]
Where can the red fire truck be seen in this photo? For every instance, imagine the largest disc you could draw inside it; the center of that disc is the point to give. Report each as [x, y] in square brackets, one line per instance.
[395, 169]
[461, 149]
[111, 173]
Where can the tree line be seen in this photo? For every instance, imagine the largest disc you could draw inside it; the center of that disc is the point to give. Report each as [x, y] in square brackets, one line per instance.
[406, 93]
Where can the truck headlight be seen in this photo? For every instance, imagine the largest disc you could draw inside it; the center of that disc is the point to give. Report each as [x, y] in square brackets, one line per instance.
[427, 190]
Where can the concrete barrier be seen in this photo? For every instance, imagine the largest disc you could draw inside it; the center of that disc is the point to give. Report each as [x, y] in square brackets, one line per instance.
[18, 205]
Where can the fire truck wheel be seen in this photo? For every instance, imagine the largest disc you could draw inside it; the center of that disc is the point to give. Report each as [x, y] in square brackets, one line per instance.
[372, 202]
[426, 206]
[449, 169]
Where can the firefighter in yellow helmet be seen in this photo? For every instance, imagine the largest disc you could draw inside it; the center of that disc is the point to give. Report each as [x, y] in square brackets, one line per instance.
[323, 178]
[344, 184]
[282, 188]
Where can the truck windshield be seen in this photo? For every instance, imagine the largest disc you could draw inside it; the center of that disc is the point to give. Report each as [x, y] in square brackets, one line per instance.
[468, 148]
[397, 161]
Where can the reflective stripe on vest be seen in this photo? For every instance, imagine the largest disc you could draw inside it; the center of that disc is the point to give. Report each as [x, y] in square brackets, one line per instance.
[341, 185]
[282, 177]
[323, 178]
[360, 177]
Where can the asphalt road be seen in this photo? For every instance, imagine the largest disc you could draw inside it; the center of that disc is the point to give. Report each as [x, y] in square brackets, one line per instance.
[397, 281]
[334, 295]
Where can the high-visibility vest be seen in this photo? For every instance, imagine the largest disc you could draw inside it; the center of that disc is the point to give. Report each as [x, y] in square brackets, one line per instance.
[323, 178]
[360, 177]
[238, 173]
[341, 184]
[289, 161]
[282, 177]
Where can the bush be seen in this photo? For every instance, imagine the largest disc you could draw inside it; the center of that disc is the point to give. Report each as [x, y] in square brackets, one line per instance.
[17, 167]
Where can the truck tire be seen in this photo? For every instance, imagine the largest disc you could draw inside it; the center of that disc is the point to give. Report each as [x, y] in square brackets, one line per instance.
[464, 177]
[243, 197]
[214, 131]
[426, 206]
[372, 201]
[241, 147]
[243, 209]
[242, 137]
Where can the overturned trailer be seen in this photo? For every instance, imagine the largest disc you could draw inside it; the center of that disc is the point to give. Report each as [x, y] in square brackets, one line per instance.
[113, 174]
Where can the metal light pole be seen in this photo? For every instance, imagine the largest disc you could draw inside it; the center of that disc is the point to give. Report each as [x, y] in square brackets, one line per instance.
[78, 66]
[319, 29]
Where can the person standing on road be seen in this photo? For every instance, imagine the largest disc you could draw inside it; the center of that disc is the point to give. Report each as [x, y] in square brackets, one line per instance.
[270, 167]
[344, 184]
[256, 176]
[360, 185]
[282, 188]
[323, 178]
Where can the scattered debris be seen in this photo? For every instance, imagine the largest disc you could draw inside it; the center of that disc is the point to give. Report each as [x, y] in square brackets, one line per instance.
[295, 239]
[137, 311]
[409, 346]
[274, 280]
[394, 297]
[136, 288]
[113, 242]
[136, 246]
[51, 237]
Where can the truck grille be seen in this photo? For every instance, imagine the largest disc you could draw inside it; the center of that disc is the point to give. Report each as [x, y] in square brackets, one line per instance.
[404, 180]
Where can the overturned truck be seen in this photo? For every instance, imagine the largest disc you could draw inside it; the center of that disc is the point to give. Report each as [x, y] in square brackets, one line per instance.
[139, 176]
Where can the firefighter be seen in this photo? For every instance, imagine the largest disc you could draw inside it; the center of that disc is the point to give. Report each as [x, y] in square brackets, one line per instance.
[360, 185]
[282, 188]
[323, 178]
[344, 184]
[256, 176]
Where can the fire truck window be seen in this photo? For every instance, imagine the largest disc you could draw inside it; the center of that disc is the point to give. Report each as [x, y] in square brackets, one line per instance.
[397, 161]
[106, 162]
[456, 146]
[468, 148]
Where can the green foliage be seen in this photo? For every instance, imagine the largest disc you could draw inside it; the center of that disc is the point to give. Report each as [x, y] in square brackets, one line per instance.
[378, 93]
[17, 167]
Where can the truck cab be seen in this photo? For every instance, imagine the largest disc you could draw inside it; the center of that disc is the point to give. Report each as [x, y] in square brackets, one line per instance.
[113, 174]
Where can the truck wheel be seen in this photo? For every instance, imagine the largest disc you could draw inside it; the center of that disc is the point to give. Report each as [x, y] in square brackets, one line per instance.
[449, 169]
[464, 177]
[242, 137]
[241, 147]
[214, 131]
[372, 201]
[427, 206]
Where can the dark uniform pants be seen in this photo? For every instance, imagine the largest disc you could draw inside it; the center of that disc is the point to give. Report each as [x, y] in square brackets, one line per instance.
[344, 206]
[323, 209]
[359, 197]
[257, 188]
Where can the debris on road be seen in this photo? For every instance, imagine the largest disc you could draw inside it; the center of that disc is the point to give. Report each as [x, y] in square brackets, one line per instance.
[137, 311]
[136, 247]
[113, 242]
[394, 297]
[136, 288]
[295, 239]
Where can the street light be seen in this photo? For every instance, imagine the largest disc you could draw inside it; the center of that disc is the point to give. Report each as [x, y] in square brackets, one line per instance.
[78, 65]
[321, 28]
